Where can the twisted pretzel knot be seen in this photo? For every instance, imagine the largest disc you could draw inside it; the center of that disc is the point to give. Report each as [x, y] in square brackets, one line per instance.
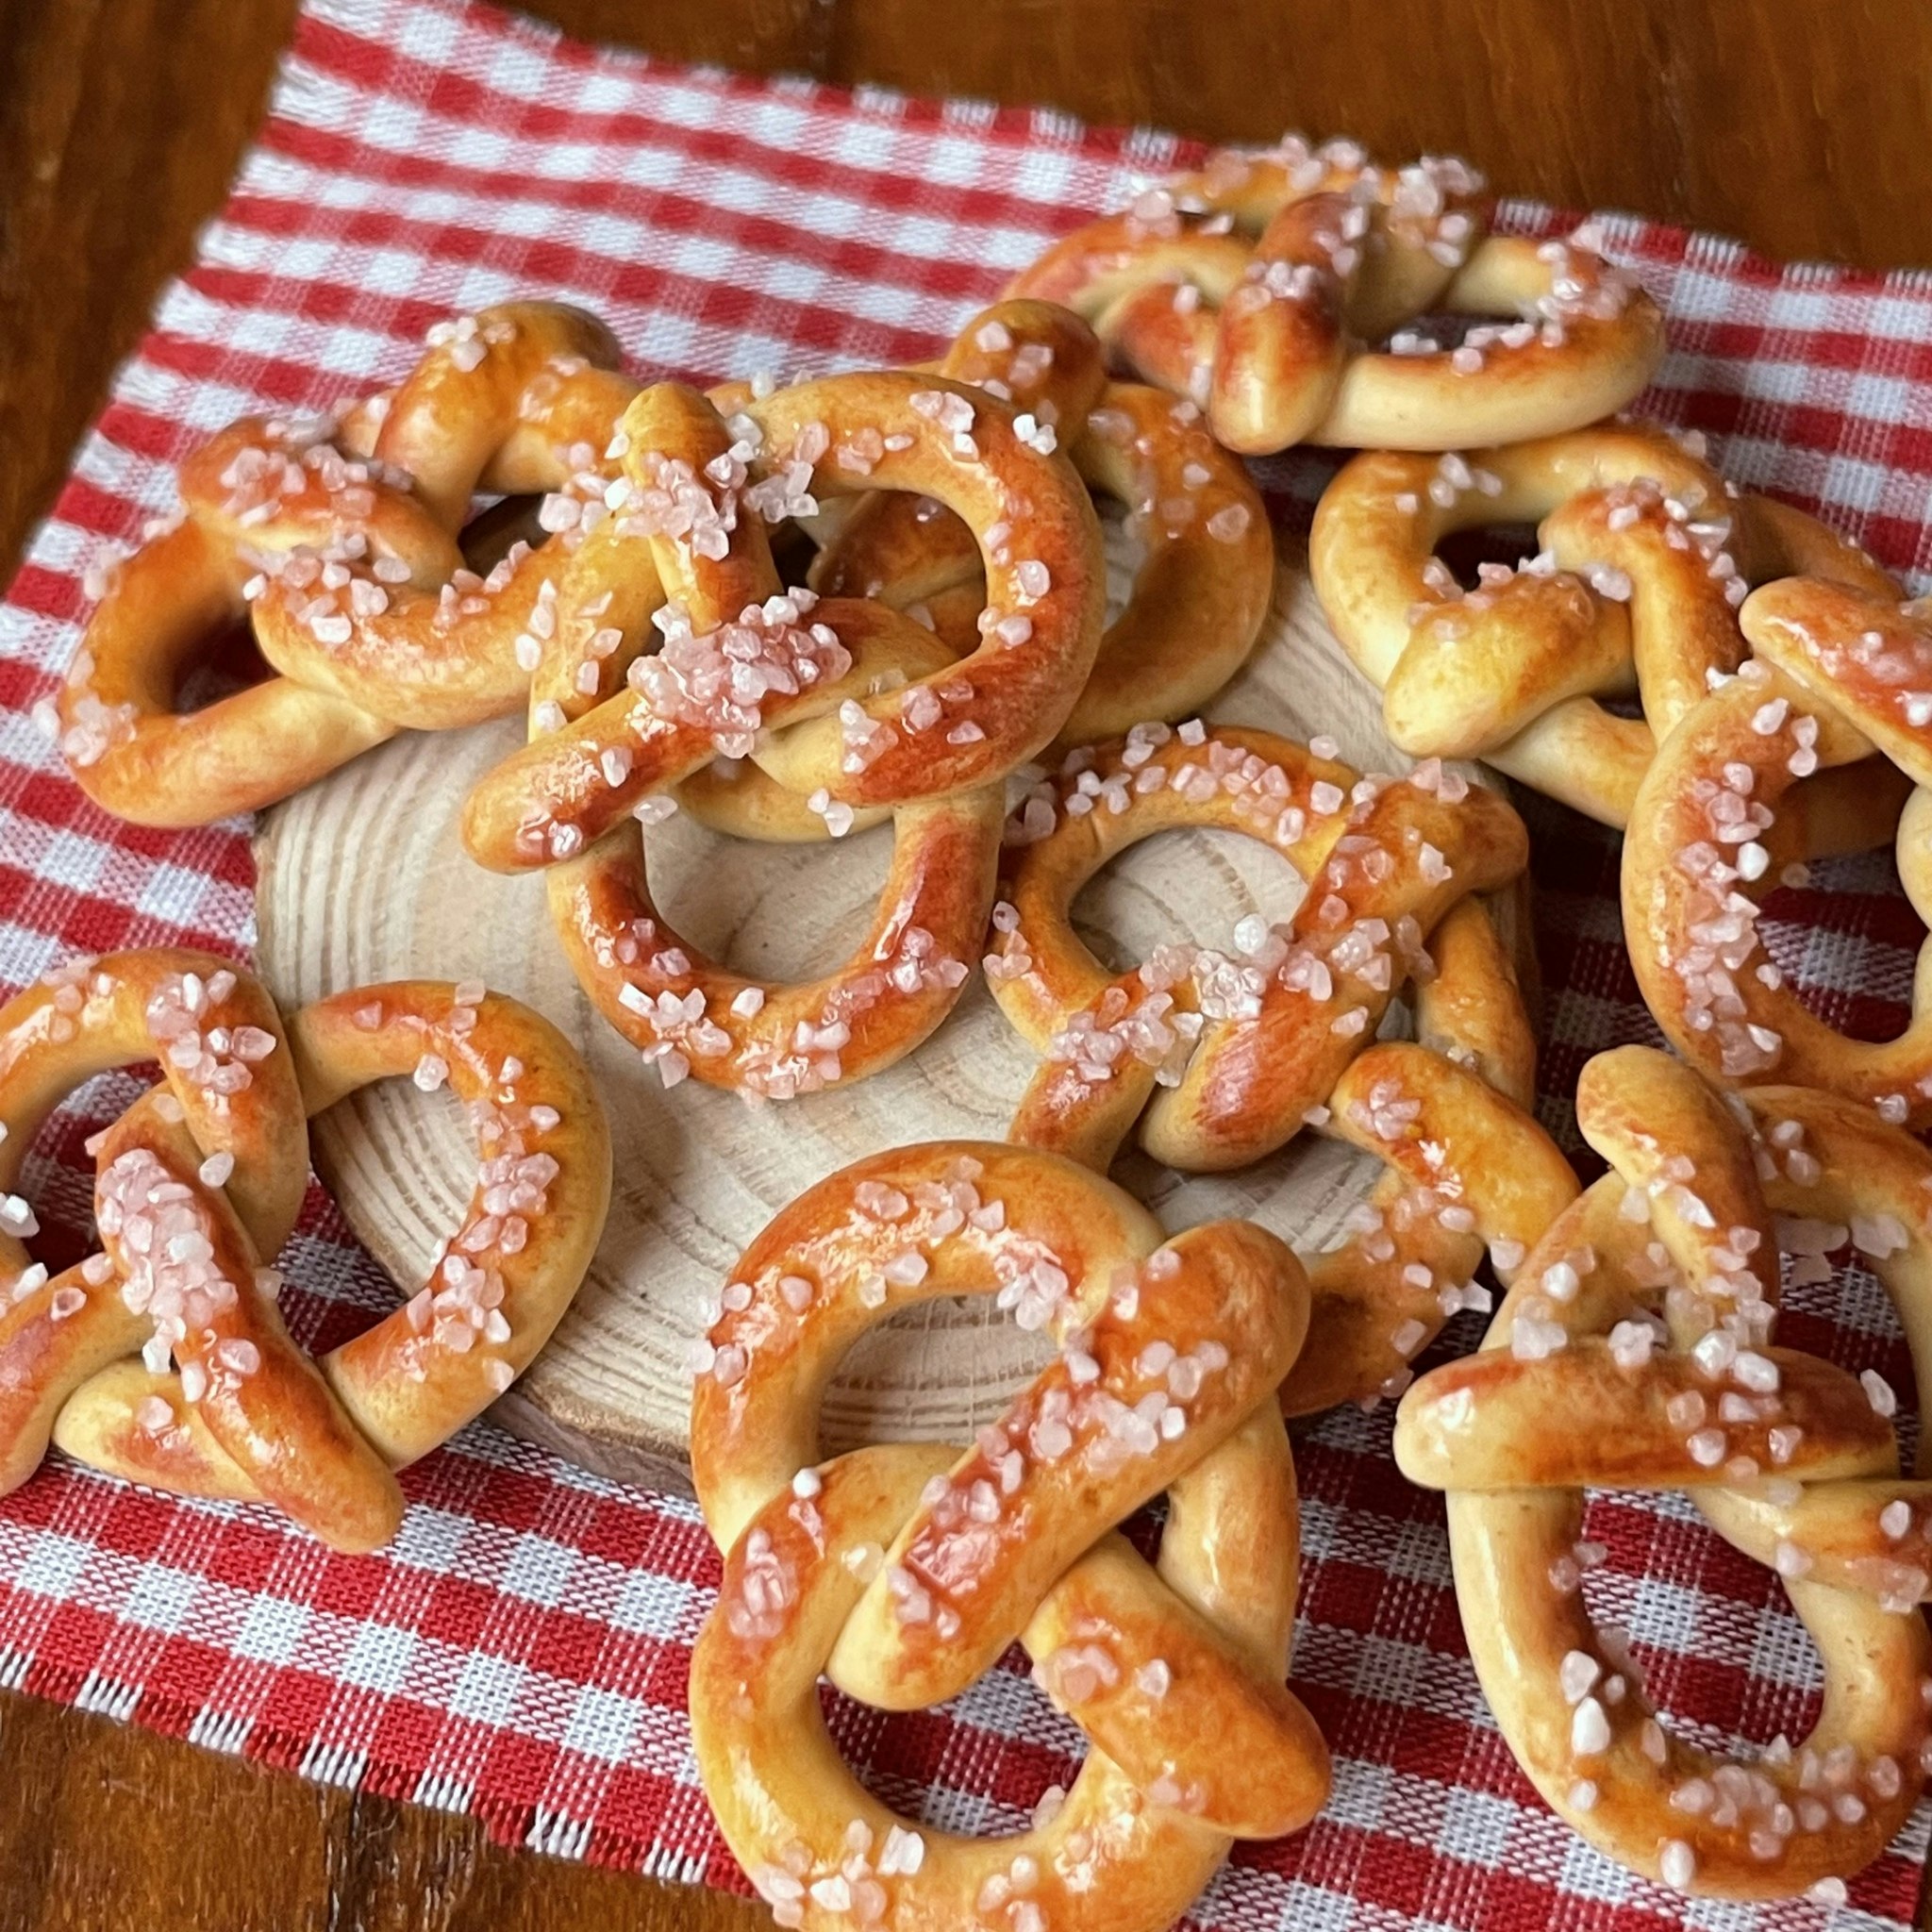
[1644, 558]
[903, 1571]
[1216, 1060]
[1206, 567]
[1253, 286]
[1644, 1321]
[162, 1358]
[844, 706]
[338, 548]
[1839, 671]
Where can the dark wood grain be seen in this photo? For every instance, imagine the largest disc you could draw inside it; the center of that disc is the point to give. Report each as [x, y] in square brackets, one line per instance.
[121, 121]
[1800, 128]
[106, 1824]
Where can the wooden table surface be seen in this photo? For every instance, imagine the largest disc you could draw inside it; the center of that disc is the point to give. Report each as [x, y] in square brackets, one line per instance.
[1800, 129]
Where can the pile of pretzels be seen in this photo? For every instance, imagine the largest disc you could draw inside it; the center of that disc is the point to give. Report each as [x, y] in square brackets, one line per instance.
[796, 612]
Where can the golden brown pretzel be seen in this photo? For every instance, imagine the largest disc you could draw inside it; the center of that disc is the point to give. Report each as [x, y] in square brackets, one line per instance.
[943, 731]
[162, 1358]
[338, 549]
[1644, 1322]
[903, 1571]
[1839, 671]
[1254, 286]
[741, 659]
[1216, 1059]
[1644, 558]
[1206, 568]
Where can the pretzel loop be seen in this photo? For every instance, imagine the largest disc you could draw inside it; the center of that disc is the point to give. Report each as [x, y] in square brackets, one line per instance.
[1840, 670]
[163, 1359]
[1645, 1319]
[343, 559]
[1207, 566]
[236, 1101]
[903, 1573]
[1254, 286]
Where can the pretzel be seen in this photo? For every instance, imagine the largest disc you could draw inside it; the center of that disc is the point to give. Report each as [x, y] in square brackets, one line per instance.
[1217, 1059]
[1635, 1352]
[1839, 671]
[1256, 286]
[903, 1571]
[742, 659]
[162, 1358]
[1645, 556]
[943, 731]
[338, 546]
[1206, 567]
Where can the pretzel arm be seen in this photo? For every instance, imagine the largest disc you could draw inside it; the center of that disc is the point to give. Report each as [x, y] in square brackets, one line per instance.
[138, 758]
[259, 1396]
[1261, 1768]
[991, 1573]
[54, 1338]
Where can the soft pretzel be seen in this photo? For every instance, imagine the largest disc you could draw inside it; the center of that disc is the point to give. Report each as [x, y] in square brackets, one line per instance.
[1644, 557]
[162, 1358]
[938, 732]
[863, 696]
[903, 1571]
[1207, 566]
[1257, 287]
[1839, 670]
[338, 546]
[1215, 1059]
[1636, 1352]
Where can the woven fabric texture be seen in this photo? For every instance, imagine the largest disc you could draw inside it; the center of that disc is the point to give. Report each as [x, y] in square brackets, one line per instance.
[520, 1653]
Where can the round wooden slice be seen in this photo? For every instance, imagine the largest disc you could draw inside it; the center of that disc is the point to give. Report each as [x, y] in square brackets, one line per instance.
[362, 878]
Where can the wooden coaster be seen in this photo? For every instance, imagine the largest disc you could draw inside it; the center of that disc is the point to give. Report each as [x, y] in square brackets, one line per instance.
[362, 878]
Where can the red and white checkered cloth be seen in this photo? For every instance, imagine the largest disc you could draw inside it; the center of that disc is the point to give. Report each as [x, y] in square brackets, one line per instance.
[521, 1652]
